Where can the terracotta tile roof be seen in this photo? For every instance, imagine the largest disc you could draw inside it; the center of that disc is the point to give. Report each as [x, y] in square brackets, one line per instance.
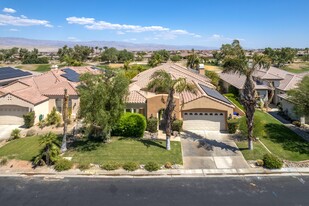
[38, 88]
[136, 93]
[289, 82]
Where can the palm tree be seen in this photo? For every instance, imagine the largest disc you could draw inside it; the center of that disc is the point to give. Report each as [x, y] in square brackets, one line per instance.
[65, 120]
[48, 140]
[235, 61]
[193, 60]
[162, 82]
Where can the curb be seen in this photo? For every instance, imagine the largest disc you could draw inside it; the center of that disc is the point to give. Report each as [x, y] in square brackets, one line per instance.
[167, 173]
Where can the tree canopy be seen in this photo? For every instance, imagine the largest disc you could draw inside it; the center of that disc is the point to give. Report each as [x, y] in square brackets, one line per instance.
[300, 97]
[280, 57]
[102, 101]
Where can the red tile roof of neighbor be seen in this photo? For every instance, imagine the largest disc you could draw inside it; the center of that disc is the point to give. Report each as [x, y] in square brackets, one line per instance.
[38, 88]
[139, 95]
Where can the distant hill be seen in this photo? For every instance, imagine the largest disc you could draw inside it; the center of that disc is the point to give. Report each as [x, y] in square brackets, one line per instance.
[52, 45]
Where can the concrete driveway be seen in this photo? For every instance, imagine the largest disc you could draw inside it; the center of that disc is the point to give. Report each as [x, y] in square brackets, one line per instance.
[5, 131]
[210, 150]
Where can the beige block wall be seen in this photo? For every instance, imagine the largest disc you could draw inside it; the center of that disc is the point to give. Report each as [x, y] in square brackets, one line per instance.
[154, 104]
[205, 103]
[41, 109]
[12, 100]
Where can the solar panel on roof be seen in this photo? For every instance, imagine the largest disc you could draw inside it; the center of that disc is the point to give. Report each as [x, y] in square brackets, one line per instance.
[70, 75]
[214, 93]
[9, 73]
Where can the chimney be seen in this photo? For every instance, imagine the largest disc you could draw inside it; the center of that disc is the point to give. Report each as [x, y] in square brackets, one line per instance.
[201, 69]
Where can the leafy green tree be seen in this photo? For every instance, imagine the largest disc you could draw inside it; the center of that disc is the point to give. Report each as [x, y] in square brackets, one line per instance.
[214, 77]
[125, 55]
[110, 55]
[164, 54]
[155, 60]
[235, 61]
[102, 101]
[217, 57]
[300, 97]
[281, 56]
[162, 82]
[175, 58]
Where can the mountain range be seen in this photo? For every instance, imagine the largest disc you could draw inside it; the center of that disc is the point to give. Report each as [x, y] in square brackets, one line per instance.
[53, 45]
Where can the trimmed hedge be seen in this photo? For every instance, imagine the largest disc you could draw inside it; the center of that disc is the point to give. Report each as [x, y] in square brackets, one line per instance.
[63, 164]
[131, 125]
[272, 162]
[111, 166]
[232, 125]
[152, 166]
[29, 119]
[152, 125]
[131, 166]
[177, 125]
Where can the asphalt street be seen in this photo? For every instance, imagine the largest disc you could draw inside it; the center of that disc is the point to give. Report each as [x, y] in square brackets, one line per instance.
[292, 190]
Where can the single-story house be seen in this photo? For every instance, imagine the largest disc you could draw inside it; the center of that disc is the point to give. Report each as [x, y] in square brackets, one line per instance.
[281, 80]
[205, 110]
[40, 94]
[11, 74]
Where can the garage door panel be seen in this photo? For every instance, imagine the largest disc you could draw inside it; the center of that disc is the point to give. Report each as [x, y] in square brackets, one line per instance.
[212, 121]
[12, 115]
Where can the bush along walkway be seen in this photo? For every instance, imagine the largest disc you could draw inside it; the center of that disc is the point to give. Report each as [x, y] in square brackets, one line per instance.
[292, 127]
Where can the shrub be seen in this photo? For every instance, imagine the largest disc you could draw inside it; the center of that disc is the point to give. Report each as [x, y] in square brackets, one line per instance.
[15, 134]
[111, 166]
[31, 132]
[42, 124]
[272, 162]
[259, 162]
[296, 123]
[152, 125]
[53, 118]
[63, 164]
[152, 166]
[84, 166]
[29, 119]
[232, 125]
[177, 125]
[131, 166]
[168, 165]
[3, 161]
[131, 125]
[233, 90]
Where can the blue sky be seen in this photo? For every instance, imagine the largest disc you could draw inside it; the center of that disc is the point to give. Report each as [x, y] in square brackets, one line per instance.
[256, 23]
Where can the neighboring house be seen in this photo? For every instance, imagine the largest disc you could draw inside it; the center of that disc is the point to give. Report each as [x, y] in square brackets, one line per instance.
[10, 74]
[281, 80]
[40, 94]
[206, 110]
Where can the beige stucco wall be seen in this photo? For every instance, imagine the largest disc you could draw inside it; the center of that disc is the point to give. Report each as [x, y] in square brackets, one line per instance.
[41, 109]
[154, 104]
[142, 107]
[209, 105]
[75, 103]
[12, 100]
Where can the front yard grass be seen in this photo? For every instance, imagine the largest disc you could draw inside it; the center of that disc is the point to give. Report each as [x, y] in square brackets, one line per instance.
[121, 150]
[125, 150]
[279, 139]
[234, 100]
[22, 149]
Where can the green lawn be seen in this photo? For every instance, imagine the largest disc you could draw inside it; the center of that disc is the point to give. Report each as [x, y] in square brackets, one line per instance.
[257, 153]
[300, 68]
[233, 99]
[121, 150]
[279, 139]
[124, 150]
[35, 67]
[43, 68]
[23, 149]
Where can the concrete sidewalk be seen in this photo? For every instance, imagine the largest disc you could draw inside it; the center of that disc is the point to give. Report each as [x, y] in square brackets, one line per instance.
[161, 173]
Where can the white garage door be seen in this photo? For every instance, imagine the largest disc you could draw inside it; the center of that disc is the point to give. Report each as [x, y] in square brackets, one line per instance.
[12, 115]
[211, 121]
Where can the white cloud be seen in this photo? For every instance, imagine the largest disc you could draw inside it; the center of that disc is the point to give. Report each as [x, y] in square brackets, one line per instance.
[164, 32]
[9, 10]
[6, 19]
[13, 30]
[23, 16]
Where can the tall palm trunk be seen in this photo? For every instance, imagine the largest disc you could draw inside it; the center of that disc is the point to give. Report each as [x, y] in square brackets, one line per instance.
[272, 93]
[65, 121]
[249, 102]
[168, 117]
